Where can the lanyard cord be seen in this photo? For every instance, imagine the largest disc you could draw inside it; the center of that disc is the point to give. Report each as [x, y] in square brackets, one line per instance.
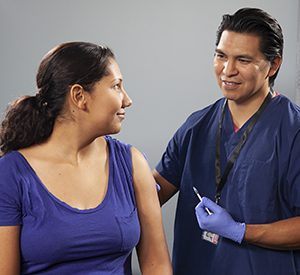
[220, 182]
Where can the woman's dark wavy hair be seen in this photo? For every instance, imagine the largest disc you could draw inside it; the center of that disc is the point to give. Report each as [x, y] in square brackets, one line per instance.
[256, 22]
[30, 119]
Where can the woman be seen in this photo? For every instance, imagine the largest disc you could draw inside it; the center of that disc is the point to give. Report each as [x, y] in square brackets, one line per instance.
[73, 200]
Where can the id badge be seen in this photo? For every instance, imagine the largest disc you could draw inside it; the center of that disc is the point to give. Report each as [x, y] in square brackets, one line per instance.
[210, 237]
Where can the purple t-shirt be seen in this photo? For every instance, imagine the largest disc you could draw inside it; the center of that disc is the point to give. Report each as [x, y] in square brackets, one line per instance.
[59, 239]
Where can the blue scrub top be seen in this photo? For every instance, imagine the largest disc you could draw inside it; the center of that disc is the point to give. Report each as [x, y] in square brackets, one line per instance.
[262, 187]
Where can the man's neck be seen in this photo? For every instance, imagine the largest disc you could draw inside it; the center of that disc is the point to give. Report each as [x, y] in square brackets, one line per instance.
[242, 112]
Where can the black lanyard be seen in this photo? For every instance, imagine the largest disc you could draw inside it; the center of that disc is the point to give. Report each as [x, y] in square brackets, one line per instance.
[220, 182]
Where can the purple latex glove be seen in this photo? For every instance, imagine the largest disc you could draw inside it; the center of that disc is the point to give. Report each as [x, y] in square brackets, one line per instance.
[220, 222]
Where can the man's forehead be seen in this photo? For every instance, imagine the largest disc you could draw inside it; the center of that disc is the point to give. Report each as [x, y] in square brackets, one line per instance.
[243, 42]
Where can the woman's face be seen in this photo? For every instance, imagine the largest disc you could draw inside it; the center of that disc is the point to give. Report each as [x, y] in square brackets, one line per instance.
[108, 101]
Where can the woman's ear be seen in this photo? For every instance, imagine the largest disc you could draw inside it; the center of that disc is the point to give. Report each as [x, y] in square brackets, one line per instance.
[78, 96]
[275, 64]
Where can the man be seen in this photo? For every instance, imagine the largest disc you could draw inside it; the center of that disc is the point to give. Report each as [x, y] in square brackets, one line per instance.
[244, 149]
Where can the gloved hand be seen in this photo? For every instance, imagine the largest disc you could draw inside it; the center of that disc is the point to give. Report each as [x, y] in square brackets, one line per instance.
[220, 222]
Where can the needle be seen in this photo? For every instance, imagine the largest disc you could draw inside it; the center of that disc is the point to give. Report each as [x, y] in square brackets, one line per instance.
[198, 195]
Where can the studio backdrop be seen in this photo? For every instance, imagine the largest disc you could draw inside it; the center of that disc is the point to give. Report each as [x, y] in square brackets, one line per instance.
[164, 49]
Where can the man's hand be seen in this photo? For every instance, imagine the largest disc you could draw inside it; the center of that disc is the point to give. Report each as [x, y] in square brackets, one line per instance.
[220, 222]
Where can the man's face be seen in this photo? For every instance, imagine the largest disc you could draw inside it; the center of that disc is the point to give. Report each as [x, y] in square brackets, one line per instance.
[241, 69]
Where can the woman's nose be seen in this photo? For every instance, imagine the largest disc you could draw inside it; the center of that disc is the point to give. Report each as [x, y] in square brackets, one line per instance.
[126, 100]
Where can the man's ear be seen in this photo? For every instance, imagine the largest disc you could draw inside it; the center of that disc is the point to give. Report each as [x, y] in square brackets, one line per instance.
[78, 96]
[275, 64]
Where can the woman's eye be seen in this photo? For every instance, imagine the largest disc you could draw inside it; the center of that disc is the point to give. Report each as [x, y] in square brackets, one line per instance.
[117, 86]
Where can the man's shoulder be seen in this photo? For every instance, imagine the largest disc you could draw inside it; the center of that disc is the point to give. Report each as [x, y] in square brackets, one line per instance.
[200, 122]
[287, 108]
[208, 113]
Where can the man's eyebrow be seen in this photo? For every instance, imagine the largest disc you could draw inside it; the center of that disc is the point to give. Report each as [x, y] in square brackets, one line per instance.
[219, 51]
[245, 56]
[242, 56]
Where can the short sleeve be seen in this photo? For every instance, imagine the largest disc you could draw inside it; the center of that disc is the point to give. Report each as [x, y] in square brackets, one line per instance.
[169, 165]
[10, 194]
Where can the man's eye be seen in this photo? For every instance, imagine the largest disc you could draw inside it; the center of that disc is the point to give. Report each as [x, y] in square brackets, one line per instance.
[220, 56]
[244, 61]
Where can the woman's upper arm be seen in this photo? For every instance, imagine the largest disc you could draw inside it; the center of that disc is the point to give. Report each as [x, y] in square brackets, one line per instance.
[152, 249]
[10, 250]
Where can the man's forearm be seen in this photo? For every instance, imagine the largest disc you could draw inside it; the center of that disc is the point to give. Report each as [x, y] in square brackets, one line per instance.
[281, 235]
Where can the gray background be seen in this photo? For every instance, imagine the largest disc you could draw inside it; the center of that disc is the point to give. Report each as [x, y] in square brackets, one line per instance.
[164, 49]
